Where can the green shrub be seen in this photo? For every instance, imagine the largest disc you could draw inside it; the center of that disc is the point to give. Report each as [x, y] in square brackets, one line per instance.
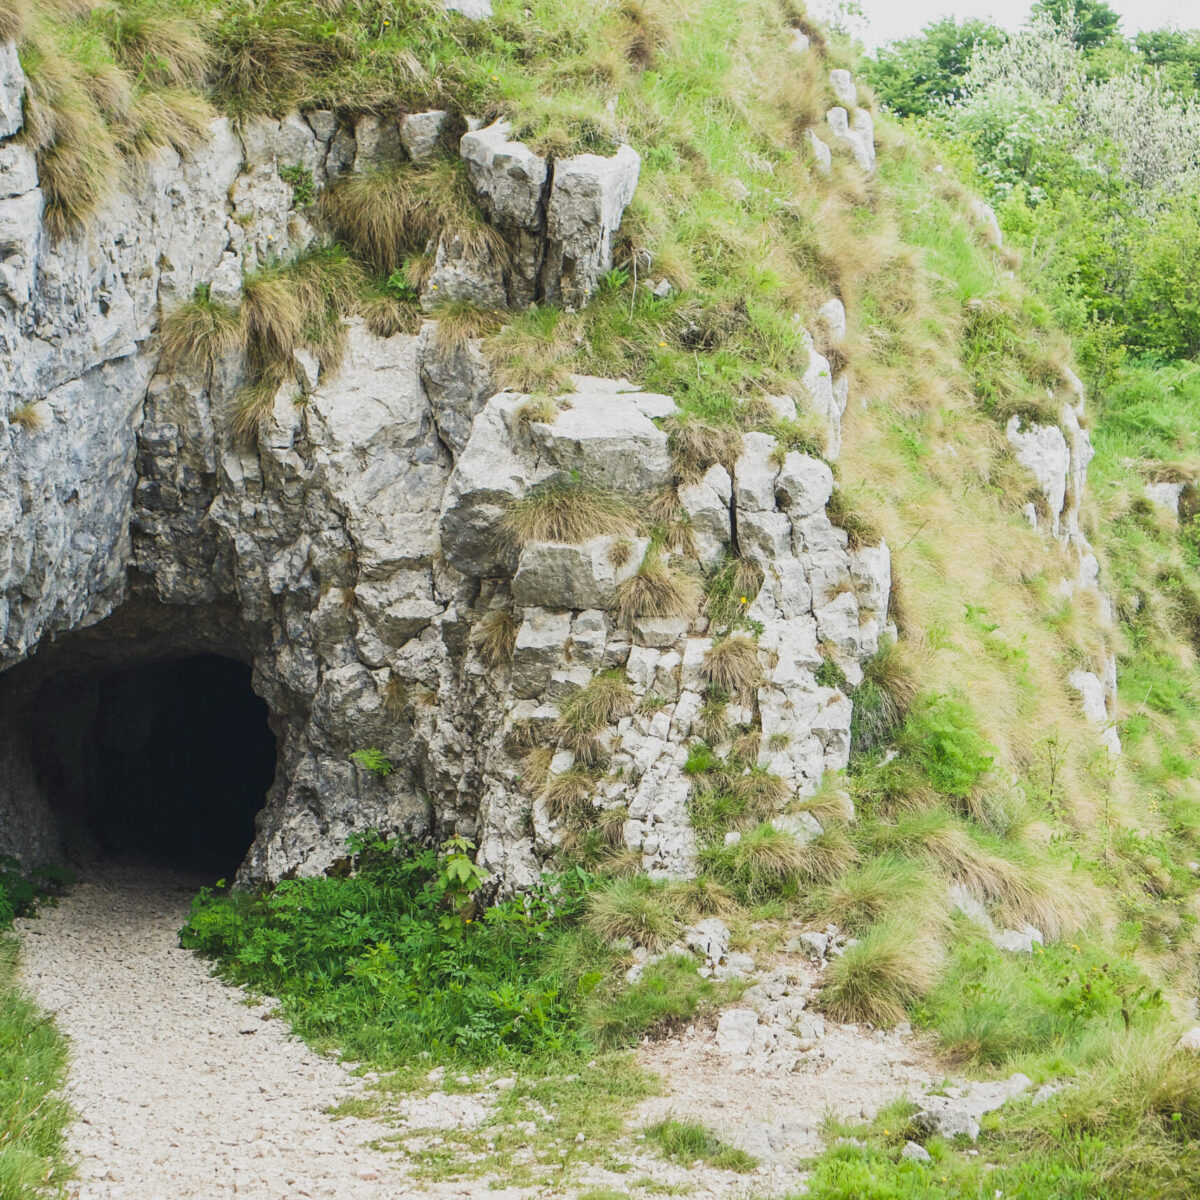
[940, 736]
[299, 177]
[992, 1008]
[21, 891]
[390, 961]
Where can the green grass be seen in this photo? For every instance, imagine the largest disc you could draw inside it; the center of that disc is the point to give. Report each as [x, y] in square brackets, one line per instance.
[33, 1115]
[996, 784]
[686, 1142]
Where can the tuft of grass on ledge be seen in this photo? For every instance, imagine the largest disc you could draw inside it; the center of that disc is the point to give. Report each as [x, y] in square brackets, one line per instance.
[567, 511]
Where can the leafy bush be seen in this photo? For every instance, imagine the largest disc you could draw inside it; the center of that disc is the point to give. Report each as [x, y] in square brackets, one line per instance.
[941, 737]
[22, 891]
[389, 961]
[395, 959]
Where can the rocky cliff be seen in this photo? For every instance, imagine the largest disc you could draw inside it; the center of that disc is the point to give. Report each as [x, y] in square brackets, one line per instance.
[359, 551]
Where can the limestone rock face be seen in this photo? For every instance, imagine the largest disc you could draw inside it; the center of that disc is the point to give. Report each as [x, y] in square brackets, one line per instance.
[12, 89]
[353, 551]
[587, 199]
[560, 218]
[857, 133]
[1057, 456]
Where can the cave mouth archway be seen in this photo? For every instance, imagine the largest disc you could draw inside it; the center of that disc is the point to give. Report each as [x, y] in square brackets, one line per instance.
[160, 763]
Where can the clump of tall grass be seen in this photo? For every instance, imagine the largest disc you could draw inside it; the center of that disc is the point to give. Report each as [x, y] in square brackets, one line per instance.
[495, 636]
[391, 213]
[893, 965]
[656, 589]
[696, 445]
[567, 511]
[732, 665]
[589, 709]
[636, 909]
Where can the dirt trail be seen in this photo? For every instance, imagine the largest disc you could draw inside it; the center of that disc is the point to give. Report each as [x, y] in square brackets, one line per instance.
[182, 1090]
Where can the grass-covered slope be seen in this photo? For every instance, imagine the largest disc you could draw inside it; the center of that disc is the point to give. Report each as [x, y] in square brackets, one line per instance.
[973, 763]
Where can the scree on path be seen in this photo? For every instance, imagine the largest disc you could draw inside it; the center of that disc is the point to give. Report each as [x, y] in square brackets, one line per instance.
[183, 1091]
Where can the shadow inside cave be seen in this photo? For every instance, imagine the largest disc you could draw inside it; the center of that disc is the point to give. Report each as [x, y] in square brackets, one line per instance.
[164, 762]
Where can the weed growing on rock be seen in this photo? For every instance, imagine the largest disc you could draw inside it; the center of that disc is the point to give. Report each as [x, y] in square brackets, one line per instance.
[495, 636]
[655, 590]
[567, 511]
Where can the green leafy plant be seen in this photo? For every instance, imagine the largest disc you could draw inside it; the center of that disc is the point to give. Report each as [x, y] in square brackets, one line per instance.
[373, 760]
[300, 178]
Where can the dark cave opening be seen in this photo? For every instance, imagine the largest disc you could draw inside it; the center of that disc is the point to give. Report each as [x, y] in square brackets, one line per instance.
[164, 763]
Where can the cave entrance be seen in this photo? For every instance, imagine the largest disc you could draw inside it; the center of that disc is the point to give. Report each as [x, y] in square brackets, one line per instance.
[162, 763]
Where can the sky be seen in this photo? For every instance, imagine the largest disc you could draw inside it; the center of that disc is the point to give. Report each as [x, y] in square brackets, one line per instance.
[888, 19]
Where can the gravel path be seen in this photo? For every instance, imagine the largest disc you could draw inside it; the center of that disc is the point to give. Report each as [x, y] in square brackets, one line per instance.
[182, 1091]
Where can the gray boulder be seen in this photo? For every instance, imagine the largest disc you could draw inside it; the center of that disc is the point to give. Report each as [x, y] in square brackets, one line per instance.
[421, 132]
[12, 90]
[587, 200]
[557, 575]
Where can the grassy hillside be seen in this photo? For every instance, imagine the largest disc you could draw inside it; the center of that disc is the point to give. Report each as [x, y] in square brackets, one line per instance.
[973, 762]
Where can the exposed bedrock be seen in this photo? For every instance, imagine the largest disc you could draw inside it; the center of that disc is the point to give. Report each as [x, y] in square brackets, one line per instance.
[349, 554]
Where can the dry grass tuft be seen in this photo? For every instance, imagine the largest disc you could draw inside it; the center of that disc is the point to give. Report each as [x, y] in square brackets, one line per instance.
[767, 859]
[16, 19]
[611, 826]
[732, 665]
[386, 215]
[846, 514]
[701, 897]
[878, 888]
[567, 793]
[830, 804]
[757, 791]
[655, 590]
[28, 416]
[201, 331]
[537, 410]
[1053, 899]
[161, 49]
[385, 316]
[696, 446]
[892, 966]
[171, 117]
[395, 696]
[495, 636]
[537, 762]
[712, 724]
[533, 352]
[827, 856]
[77, 162]
[633, 909]
[567, 511]
[458, 321]
[599, 703]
